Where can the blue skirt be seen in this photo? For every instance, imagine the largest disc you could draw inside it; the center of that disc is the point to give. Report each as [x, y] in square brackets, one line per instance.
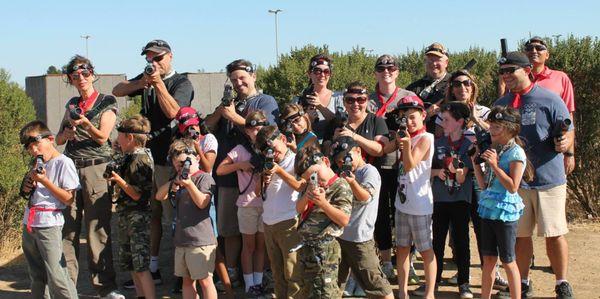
[500, 206]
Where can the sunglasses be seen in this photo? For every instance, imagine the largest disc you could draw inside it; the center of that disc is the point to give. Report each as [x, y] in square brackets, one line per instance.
[156, 58]
[318, 71]
[458, 83]
[539, 48]
[85, 73]
[352, 100]
[508, 70]
[381, 69]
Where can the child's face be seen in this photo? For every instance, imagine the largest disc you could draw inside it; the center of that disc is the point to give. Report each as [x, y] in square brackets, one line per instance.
[178, 162]
[355, 153]
[499, 133]
[299, 125]
[322, 169]
[415, 118]
[252, 132]
[450, 124]
[125, 142]
[279, 148]
[42, 147]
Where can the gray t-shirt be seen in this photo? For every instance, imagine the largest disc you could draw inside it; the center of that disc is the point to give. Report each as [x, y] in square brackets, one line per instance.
[193, 226]
[362, 220]
[62, 172]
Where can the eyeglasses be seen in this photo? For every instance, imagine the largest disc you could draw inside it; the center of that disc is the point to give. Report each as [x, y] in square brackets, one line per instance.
[539, 48]
[381, 69]
[156, 58]
[77, 75]
[508, 70]
[352, 100]
[318, 71]
[458, 83]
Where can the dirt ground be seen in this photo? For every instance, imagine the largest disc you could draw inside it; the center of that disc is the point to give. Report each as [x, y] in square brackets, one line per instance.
[584, 270]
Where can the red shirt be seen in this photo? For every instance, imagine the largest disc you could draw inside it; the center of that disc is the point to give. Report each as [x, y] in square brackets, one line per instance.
[559, 83]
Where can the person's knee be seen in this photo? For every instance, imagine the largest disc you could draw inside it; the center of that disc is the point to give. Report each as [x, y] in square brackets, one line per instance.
[427, 255]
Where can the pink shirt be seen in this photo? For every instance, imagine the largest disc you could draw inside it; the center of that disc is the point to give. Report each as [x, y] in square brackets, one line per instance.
[559, 83]
[246, 179]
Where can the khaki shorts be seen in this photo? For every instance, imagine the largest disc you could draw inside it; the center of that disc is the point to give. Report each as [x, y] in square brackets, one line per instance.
[546, 209]
[227, 223]
[195, 262]
[363, 260]
[161, 208]
[250, 220]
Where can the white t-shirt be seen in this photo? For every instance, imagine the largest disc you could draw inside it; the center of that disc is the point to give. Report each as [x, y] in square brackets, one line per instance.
[280, 201]
[361, 226]
[416, 184]
[62, 172]
[209, 143]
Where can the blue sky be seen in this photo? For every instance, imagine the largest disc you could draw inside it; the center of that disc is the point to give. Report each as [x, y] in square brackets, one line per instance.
[209, 34]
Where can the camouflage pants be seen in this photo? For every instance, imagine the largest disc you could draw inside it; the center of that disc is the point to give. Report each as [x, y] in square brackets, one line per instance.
[134, 240]
[320, 262]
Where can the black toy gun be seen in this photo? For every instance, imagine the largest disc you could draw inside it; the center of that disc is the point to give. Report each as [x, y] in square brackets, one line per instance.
[561, 128]
[228, 97]
[303, 99]
[483, 142]
[39, 164]
[341, 118]
[346, 168]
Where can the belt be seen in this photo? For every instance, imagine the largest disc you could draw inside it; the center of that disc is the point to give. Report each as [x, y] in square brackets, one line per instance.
[33, 210]
[80, 163]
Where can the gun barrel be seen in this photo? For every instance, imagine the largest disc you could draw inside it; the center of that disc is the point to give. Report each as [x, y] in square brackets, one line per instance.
[503, 47]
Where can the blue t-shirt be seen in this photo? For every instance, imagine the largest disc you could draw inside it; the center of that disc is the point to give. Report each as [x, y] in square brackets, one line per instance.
[451, 191]
[541, 109]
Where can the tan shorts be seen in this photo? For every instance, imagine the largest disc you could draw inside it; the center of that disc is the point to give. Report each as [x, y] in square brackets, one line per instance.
[546, 209]
[161, 208]
[195, 262]
[250, 220]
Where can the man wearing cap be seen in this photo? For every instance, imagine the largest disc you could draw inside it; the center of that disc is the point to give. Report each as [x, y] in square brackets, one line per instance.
[432, 87]
[557, 81]
[545, 197]
[384, 100]
[163, 92]
[227, 123]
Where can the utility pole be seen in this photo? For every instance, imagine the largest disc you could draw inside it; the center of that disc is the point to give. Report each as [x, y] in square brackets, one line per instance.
[86, 37]
[275, 12]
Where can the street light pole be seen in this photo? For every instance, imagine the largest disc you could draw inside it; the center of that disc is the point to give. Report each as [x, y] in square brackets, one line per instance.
[276, 11]
[86, 37]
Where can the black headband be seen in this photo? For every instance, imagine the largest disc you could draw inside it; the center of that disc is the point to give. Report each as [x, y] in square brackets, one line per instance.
[320, 61]
[121, 129]
[256, 123]
[293, 116]
[356, 90]
[269, 142]
[240, 67]
[27, 140]
[504, 117]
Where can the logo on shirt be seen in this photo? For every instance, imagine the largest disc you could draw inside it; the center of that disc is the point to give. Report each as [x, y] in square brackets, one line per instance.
[528, 112]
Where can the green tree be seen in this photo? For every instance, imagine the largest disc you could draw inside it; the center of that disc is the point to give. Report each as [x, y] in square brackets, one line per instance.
[53, 70]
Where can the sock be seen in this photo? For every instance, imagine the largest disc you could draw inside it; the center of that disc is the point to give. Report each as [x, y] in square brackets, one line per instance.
[525, 281]
[248, 281]
[257, 278]
[559, 281]
[153, 263]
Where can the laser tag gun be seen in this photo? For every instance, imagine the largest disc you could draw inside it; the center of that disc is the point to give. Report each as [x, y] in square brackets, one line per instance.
[228, 97]
[561, 128]
[451, 158]
[185, 171]
[75, 113]
[346, 168]
[503, 50]
[149, 69]
[483, 142]
[39, 164]
[396, 122]
[341, 118]
[288, 132]
[303, 99]
[470, 64]
[269, 159]
[116, 164]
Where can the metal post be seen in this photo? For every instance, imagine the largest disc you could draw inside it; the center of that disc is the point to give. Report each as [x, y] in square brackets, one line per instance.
[276, 11]
[86, 37]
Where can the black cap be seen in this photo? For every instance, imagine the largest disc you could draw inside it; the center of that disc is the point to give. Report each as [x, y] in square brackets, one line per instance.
[516, 58]
[536, 39]
[342, 145]
[157, 46]
[386, 61]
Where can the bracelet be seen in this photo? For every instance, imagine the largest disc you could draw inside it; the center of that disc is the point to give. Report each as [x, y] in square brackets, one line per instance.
[569, 154]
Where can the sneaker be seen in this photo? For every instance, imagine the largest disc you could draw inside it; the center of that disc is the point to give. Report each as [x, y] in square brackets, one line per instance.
[176, 289]
[420, 291]
[255, 291]
[350, 286]
[389, 271]
[413, 278]
[453, 280]
[359, 292]
[268, 283]
[563, 290]
[464, 291]
[129, 284]
[114, 295]
[499, 282]
[526, 291]
[156, 277]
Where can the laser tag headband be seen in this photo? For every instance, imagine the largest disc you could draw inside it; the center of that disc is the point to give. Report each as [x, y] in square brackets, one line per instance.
[355, 90]
[83, 66]
[314, 159]
[239, 65]
[121, 129]
[270, 140]
[503, 116]
[294, 116]
[255, 123]
[26, 141]
[342, 145]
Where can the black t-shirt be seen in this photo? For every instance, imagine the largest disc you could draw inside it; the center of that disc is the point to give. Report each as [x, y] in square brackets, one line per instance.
[437, 94]
[180, 88]
[370, 127]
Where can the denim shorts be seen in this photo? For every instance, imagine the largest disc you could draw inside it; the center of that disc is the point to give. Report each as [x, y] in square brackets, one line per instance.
[498, 238]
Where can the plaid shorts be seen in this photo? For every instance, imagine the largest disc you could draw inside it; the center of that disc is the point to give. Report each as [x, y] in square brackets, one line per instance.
[414, 229]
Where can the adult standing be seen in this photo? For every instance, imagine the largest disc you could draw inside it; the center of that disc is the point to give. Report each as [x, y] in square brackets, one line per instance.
[227, 123]
[545, 197]
[557, 81]
[383, 100]
[163, 92]
[88, 121]
[432, 87]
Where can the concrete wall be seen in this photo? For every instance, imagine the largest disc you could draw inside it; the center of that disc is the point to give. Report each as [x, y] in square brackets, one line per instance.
[50, 93]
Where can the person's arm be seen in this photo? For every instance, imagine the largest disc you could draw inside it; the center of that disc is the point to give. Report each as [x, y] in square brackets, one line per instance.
[302, 203]
[200, 199]
[391, 145]
[372, 147]
[207, 160]
[510, 182]
[101, 134]
[128, 87]
[360, 193]
[336, 215]
[228, 166]
[288, 178]
[212, 120]
[163, 191]
[231, 114]
[63, 195]
[129, 189]
[412, 157]
[170, 104]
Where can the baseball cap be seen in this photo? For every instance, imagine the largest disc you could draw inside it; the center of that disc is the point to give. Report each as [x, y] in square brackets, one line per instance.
[186, 116]
[536, 39]
[437, 49]
[386, 60]
[410, 101]
[157, 46]
[516, 58]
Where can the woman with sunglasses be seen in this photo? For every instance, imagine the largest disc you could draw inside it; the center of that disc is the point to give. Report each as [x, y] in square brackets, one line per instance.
[368, 130]
[88, 121]
[321, 102]
[294, 119]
